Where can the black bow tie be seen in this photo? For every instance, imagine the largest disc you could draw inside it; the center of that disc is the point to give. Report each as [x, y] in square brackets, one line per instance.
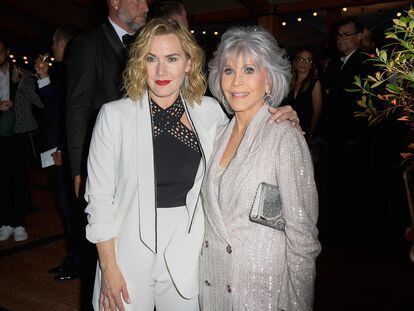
[128, 39]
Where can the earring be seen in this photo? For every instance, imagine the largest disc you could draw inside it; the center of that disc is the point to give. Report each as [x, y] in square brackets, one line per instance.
[268, 99]
[186, 81]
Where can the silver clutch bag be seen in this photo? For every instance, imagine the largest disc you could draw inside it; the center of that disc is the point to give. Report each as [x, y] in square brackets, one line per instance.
[267, 207]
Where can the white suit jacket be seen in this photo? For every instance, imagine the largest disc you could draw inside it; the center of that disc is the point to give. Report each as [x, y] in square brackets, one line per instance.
[121, 177]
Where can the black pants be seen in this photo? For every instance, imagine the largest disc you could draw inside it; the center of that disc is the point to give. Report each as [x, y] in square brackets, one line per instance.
[15, 198]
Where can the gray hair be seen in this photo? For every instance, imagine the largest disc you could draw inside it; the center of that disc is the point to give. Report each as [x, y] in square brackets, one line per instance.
[262, 47]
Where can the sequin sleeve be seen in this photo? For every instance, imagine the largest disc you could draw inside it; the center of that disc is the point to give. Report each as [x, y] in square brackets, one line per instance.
[300, 209]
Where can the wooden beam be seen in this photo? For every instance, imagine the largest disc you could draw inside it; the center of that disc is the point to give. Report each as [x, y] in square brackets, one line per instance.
[306, 5]
[257, 7]
[221, 16]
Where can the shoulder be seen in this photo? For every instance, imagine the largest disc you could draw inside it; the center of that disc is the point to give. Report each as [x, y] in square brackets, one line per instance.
[278, 134]
[88, 39]
[210, 106]
[122, 107]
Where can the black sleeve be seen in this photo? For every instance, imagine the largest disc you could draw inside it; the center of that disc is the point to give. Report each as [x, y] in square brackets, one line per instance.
[81, 87]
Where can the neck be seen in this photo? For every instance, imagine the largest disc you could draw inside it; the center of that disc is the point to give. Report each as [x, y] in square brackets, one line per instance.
[244, 117]
[115, 19]
[301, 76]
[164, 102]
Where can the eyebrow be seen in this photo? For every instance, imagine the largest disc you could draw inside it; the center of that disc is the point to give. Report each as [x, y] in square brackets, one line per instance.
[169, 55]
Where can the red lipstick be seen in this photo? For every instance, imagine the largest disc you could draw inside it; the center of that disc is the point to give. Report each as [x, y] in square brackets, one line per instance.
[162, 82]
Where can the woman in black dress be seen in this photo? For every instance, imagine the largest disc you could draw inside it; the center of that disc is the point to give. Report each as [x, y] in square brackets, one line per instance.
[306, 93]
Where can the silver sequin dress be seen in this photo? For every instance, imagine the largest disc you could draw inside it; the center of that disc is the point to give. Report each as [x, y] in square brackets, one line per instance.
[244, 265]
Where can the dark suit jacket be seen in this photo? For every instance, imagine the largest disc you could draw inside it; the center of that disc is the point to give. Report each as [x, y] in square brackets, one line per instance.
[94, 72]
[340, 104]
[54, 97]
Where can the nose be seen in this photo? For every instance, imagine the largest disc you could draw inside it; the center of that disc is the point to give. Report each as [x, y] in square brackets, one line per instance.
[161, 68]
[238, 79]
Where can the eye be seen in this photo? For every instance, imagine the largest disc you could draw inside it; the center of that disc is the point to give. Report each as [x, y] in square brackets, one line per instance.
[151, 59]
[228, 71]
[172, 59]
[248, 70]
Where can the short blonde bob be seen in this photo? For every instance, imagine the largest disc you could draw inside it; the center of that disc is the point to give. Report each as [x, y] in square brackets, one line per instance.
[135, 75]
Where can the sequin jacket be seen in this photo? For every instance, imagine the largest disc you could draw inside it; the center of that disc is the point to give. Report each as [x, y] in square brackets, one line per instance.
[244, 265]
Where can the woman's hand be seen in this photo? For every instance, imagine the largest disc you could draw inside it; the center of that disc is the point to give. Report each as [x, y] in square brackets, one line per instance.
[113, 286]
[284, 113]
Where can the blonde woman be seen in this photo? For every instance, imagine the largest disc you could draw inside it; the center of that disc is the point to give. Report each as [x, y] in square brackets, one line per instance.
[147, 159]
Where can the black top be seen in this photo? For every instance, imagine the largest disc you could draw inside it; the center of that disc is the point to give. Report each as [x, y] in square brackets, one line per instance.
[303, 106]
[176, 155]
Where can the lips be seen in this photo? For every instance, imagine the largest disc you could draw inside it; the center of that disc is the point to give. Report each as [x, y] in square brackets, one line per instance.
[239, 94]
[162, 82]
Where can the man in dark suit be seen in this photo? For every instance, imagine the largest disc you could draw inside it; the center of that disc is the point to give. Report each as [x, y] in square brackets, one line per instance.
[94, 72]
[348, 136]
[52, 88]
[95, 76]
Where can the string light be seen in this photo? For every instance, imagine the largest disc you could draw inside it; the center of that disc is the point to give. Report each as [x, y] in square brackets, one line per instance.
[283, 23]
[52, 59]
[25, 57]
[26, 62]
[299, 19]
[13, 60]
[315, 13]
[344, 9]
[50, 64]
[11, 56]
[204, 32]
[192, 31]
[216, 33]
[399, 14]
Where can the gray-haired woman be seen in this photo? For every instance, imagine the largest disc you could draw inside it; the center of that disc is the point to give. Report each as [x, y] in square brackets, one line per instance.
[259, 194]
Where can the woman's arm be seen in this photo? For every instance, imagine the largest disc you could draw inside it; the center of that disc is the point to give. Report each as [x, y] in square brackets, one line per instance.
[112, 280]
[300, 209]
[317, 109]
[100, 194]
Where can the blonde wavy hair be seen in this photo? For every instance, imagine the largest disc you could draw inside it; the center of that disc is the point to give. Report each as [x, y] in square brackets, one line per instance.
[136, 74]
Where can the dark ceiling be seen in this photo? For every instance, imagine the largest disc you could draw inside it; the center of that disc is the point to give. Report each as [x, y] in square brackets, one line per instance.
[29, 24]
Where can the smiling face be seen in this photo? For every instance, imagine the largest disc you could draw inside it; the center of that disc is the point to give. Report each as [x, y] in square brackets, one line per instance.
[167, 64]
[244, 84]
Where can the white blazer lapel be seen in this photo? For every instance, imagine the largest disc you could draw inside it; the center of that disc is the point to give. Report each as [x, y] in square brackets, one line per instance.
[206, 147]
[145, 175]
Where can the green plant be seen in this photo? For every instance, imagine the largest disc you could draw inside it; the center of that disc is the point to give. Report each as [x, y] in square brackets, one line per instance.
[390, 91]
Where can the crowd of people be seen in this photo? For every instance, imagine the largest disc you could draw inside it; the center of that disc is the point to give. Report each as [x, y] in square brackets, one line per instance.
[174, 200]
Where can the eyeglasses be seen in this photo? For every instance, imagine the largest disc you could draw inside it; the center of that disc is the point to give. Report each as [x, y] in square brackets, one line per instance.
[346, 35]
[304, 59]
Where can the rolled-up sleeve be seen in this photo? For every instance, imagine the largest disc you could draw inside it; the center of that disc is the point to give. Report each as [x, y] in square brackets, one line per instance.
[100, 185]
[300, 210]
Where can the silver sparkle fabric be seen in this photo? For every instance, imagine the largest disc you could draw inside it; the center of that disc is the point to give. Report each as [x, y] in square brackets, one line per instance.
[245, 265]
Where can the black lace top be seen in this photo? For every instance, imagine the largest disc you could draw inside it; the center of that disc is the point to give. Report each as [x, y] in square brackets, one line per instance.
[176, 155]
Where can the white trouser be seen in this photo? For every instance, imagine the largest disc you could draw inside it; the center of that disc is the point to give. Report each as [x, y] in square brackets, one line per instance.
[148, 281]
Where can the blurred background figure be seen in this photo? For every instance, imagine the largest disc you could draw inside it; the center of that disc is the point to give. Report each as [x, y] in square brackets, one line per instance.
[169, 9]
[17, 95]
[52, 87]
[368, 42]
[305, 94]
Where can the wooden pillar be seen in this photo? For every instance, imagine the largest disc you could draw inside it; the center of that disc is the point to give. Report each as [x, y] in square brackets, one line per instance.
[272, 23]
